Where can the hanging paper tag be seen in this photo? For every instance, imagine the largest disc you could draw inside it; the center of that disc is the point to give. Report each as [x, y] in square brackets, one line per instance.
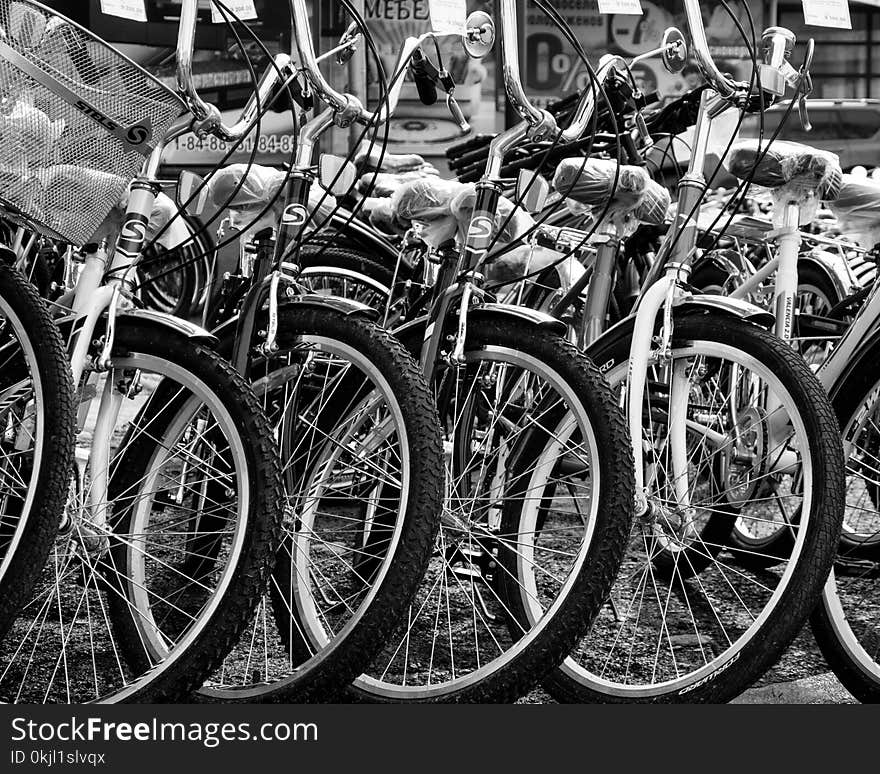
[827, 13]
[624, 7]
[241, 9]
[133, 10]
[448, 16]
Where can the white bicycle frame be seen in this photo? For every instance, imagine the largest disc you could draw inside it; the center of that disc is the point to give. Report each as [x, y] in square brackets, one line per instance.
[98, 290]
[785, 265]
[667, 291]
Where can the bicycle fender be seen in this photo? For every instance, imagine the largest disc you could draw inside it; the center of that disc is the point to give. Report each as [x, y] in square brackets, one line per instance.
[733, 307]
[347, 306]
[534, 317]
[310, 300]
[166, 322]
[834, 267]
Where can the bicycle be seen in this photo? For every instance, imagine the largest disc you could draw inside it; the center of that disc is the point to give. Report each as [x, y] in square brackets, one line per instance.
[717, 408]
[174, 510]
[514, 399]
[357, 424]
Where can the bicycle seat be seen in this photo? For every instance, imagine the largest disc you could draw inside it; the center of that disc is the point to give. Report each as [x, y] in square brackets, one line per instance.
[374, 160]
[653, 205]
[427, 201]
[244, 189]
[386, 183]
[858, 196]
[785, 163]
[379, 213]
[597, 182]
[858, 209]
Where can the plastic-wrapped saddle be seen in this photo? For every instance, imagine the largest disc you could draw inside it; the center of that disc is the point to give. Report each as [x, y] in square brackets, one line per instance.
[245, 190]
[798, 167]
[601, 182]
[428, 201]
[653, 205]
[386, 183]
[379, 211]
[857, 207]
[371, 157]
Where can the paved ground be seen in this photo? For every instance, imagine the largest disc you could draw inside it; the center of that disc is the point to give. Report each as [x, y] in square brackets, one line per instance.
[819, 689]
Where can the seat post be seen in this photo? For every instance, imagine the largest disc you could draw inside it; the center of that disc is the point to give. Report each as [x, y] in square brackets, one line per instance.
[788, 245]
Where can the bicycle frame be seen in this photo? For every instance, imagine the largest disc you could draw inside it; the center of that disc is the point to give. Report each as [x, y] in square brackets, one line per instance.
[676, 255]
[97, 292]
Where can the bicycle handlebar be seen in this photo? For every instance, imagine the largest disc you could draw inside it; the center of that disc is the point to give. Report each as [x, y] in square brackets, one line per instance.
[348, 109]
[541, 120]
[203, 111]
[773, 73]
[725, 86]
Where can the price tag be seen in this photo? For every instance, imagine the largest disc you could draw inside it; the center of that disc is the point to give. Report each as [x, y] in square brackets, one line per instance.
[827, 13]
[623, 7]
[448, 16]
[242, 9]
[133, 10]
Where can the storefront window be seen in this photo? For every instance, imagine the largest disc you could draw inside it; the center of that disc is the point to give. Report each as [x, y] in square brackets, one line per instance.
[844, 61]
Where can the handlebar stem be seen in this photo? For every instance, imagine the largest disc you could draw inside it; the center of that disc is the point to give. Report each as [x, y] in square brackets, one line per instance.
[309, 133]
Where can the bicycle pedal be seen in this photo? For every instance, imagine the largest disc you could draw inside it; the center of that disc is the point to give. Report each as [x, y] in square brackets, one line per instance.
[856, 568]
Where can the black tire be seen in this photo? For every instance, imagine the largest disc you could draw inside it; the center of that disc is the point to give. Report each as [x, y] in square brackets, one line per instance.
[34, 530]
[743, 662]
[815, 287]
[323, 675]
[347, 257]
[261, 535]
[845, 622]
[173, 280]
[539, 650]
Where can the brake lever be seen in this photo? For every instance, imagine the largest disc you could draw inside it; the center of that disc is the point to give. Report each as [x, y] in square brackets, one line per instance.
[803, 82]
[447, 83]
[457, 114]
[802, 109]
[806, 86]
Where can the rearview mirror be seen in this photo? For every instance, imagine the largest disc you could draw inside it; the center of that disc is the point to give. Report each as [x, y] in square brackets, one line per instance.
[479, 38]
[675, 52]
[192, 193]
[337, 175]
[532, 190]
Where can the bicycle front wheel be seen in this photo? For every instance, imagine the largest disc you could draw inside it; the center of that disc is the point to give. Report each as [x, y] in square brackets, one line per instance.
[686, 621]
[36, 447]
[362, 463]
[846, 623]
[523, 400]
[167, 550]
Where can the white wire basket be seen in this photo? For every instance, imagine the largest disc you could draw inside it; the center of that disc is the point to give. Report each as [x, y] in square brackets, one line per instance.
[77, 119]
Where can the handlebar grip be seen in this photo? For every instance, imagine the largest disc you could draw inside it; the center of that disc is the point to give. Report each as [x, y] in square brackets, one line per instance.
[421, 68]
